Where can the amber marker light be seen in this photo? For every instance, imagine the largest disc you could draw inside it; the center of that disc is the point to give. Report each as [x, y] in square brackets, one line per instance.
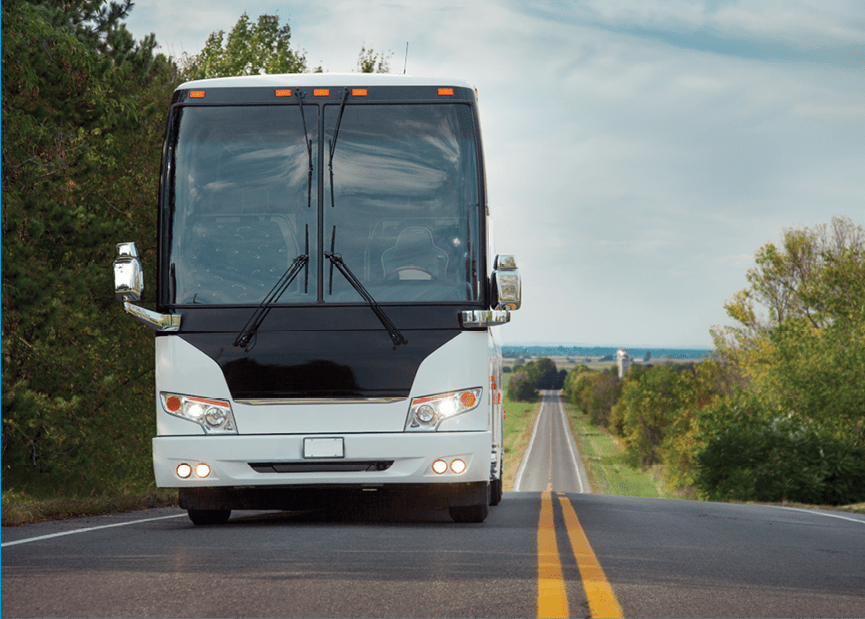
[196, 94]
[358, 92]
[468, 399]
[173, 403]
[321, 92]
[283, 92]
[446, 92]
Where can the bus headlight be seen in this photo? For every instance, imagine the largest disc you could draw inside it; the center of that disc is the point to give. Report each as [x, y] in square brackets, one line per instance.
[426, 414]
[214, 416]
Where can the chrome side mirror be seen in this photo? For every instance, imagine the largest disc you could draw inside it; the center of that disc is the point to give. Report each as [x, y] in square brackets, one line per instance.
[128, 286]
[128, 278]
[506, 292]
[506, 284]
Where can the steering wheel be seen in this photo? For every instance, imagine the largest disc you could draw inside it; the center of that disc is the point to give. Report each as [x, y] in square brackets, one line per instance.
[411, 272]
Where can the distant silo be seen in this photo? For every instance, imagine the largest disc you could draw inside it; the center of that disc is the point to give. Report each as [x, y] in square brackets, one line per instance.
[624, 360]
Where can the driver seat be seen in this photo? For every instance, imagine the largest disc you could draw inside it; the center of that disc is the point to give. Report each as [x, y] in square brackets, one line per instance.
[415, 248]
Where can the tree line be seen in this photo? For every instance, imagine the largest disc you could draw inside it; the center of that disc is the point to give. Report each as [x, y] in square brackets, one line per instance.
[84, 107]
[779, 412]
[527, 378]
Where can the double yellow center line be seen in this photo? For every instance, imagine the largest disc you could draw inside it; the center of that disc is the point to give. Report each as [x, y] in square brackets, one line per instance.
[552, 592]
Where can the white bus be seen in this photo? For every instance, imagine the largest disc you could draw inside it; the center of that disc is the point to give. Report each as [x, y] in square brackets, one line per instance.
[326, 295]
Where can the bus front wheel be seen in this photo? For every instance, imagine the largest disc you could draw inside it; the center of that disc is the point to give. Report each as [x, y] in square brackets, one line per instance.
[496, 491]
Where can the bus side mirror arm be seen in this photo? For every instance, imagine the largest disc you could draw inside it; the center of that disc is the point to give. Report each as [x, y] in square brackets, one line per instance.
[128, 286]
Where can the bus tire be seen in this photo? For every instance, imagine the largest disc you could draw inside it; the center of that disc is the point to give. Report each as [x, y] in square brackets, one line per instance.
[496, 491]
[202, 517]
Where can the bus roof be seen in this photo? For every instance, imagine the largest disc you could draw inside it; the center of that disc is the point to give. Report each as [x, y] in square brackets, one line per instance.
[334, 80]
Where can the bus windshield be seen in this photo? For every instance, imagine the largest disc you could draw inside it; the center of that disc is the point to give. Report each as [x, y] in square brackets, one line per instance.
[402, 211]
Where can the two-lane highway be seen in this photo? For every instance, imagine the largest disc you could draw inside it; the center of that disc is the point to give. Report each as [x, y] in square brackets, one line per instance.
[552, 460]
[381, 556]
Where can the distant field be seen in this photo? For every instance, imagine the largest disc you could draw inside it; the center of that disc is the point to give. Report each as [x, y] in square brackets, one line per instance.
[594, 363]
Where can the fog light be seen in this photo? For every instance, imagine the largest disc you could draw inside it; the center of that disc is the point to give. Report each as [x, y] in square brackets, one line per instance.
[439, 467]
[202, 470]
[458, 466]
[184, 471]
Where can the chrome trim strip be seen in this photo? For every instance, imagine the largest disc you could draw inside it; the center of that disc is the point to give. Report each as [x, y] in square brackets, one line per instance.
[291, 401]
[484, 318]
[157, 322]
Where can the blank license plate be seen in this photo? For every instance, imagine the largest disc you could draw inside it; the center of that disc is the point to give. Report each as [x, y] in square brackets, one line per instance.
[332, 447]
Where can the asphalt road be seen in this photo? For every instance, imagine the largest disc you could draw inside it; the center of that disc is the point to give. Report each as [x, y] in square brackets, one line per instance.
[552, 460]
[382, 556]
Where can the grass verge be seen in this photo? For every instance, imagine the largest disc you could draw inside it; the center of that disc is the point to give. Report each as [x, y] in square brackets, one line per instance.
[608, 466]
[519, 422]
[19, 508]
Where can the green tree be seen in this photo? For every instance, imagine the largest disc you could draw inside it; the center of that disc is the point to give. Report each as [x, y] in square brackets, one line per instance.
[645, 407]
[370, 62]
[249, 49]
[807, 356]
[781, 460]
[578, 385]
[593, 392]
[521, 387]
[83, 115]
[791, 425]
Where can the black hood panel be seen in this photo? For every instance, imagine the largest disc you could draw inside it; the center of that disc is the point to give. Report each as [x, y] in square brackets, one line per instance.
[320, 364]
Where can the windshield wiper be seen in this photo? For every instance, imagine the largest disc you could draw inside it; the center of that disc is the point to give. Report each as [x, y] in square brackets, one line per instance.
[246, 339]
[336, 260]
[300, 96]
[333, 141]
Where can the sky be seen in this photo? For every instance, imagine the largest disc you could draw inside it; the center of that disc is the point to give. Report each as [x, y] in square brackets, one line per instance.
[638, 152]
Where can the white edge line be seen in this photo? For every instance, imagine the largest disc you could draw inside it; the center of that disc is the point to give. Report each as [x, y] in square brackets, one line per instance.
[571, 444]
[104, 526]
[817, 513]
[519, 477]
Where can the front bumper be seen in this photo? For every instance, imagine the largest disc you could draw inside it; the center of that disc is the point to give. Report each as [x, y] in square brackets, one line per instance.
[393, 458]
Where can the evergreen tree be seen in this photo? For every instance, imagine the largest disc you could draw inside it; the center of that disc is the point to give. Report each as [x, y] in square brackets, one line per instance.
[83, 113]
